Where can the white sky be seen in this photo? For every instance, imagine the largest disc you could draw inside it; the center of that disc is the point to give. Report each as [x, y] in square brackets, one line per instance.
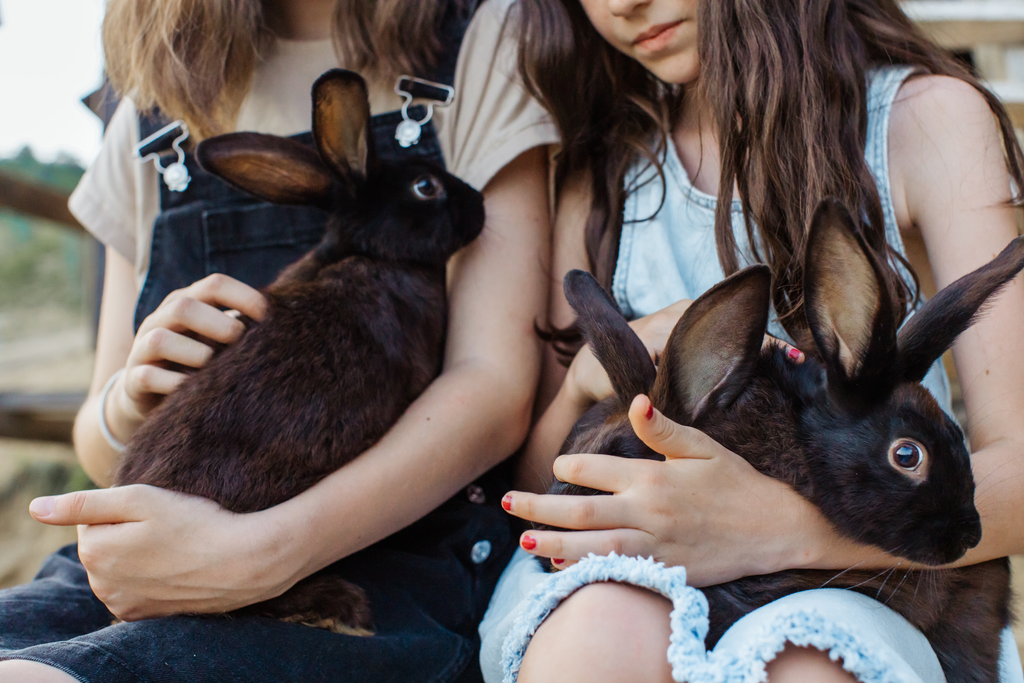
[50, 57]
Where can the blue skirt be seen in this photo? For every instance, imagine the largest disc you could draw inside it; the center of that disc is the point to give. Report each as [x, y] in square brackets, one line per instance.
[875, 644]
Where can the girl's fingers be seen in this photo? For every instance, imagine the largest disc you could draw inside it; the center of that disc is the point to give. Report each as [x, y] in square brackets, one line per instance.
[575, 545]
[224, 292]
[185, 314]
[568, 512]
[794, 354]
[150, 379]
[602, 472]
[99, 506]
[162, 344]
[669, 438]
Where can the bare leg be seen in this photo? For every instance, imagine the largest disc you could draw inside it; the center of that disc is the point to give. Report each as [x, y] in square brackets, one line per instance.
[806, 665]
[606, 632]
[22, 671]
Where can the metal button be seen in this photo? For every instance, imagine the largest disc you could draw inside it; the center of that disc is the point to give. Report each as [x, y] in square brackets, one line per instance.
[476, 494]
[480, 552]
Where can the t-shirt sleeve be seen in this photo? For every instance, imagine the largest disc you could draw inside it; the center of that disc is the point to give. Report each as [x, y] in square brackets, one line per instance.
[493, 118]
[105, 201]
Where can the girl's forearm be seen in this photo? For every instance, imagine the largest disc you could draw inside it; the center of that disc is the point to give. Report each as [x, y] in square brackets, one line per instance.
[97, 457]
[533, 470]
[469, 419]
[999, 480]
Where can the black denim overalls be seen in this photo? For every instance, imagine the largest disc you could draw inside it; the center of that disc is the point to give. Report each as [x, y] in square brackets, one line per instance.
[428, 584]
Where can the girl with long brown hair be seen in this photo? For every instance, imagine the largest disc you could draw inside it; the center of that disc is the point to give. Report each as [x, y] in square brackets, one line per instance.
[415, 519]
[697, 137]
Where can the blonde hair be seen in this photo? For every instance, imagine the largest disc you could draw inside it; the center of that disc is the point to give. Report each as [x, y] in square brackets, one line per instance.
[194, 59]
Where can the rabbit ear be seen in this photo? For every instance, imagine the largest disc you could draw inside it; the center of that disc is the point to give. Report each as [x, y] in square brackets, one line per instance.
[848, 306]
[714, 347]
[272, 168]
[614, 343]
[940, 320]
[341, 116]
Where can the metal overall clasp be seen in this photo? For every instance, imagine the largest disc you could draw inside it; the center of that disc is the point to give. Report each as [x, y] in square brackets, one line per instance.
[175, 174]
[437, 94]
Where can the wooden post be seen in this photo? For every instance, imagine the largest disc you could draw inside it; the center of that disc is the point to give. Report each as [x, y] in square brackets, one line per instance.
[35, 200]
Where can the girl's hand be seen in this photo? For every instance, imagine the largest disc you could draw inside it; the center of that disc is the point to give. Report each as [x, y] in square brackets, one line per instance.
[182, 331]
[589, 382]
[151, 552]
[704, 507]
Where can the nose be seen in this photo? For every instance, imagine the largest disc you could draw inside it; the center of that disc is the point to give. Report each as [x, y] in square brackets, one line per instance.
[972, 529]
[624, 8]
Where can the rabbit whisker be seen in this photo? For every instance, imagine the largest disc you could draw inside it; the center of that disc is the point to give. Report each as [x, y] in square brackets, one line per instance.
[851, 568]
[895, 590]
[888, 576]
[868, 580]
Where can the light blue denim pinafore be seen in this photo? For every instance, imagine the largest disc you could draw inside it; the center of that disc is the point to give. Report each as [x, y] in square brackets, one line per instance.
[667, 252]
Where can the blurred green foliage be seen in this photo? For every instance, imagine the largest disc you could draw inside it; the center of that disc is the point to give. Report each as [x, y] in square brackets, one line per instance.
[40, 262]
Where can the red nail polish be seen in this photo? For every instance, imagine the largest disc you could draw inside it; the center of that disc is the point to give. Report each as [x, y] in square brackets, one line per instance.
[650, 411]
[555, 560]
[528, 542]
[506, 503]
[794, 354]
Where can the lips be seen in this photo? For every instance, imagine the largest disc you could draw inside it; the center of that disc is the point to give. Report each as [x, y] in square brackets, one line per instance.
[655, 31]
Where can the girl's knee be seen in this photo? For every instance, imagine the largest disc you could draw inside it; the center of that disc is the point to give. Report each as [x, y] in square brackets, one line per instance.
[605, 632]
[806, 665]
[23, 671]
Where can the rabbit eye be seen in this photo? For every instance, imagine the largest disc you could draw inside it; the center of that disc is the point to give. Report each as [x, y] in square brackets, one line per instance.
[908, 456]
[427, 187]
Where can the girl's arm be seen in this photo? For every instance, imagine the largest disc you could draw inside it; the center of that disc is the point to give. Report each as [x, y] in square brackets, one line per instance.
[151, 552]
[950, 185]
[709, 510]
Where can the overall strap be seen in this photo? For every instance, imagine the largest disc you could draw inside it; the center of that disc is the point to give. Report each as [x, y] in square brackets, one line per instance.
[457, 15]
[206, 226]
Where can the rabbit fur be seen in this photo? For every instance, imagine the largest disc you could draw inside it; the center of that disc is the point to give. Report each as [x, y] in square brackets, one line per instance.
[354, 332]
[851, 429]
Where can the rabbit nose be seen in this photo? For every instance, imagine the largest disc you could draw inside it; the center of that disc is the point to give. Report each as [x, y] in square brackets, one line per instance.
[972, 533]
[965, 528]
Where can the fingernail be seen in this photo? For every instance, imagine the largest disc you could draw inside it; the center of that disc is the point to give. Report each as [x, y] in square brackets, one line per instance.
[556, 560]
[528, 542]
[794, 354]
[41, 507]
[506, 503]
[650, 411]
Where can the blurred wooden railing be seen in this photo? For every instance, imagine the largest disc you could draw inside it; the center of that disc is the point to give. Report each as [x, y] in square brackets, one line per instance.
[27, 415]
[35, 199]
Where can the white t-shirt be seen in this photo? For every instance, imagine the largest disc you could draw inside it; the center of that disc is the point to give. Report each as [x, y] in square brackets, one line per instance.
[490, 122]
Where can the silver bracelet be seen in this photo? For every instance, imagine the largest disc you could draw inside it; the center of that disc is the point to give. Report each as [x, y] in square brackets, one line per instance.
[104, 428]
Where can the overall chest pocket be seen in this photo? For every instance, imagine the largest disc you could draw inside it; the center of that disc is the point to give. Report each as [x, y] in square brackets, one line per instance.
[254, 243]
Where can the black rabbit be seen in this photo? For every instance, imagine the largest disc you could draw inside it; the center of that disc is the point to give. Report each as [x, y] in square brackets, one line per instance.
[354, 332]
[851, 429]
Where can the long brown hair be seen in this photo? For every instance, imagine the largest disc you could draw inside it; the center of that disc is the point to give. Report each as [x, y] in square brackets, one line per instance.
[194, 59]
[786, 84]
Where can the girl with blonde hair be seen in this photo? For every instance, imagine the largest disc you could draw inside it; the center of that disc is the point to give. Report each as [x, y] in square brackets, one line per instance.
[414, 519]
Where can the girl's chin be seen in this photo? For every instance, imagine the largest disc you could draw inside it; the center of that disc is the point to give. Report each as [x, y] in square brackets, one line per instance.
[677, 70]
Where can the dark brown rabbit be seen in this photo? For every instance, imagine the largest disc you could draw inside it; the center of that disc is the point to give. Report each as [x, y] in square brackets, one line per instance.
[353, 334]
[851, 429]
